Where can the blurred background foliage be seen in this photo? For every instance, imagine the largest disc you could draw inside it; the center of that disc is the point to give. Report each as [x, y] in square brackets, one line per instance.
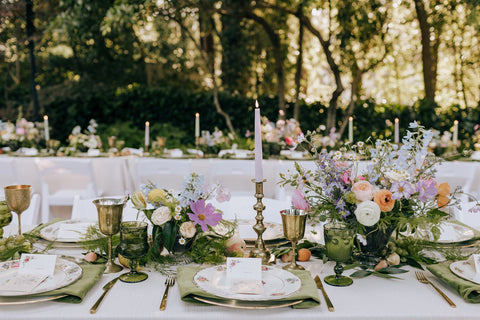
[126, 62]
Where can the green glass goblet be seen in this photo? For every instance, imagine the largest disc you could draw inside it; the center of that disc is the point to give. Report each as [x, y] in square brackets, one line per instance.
[133, 245]
[339, 245]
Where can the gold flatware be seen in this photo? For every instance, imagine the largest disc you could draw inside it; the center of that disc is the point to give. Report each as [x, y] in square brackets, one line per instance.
[106, 288]
[421, 278]
[247, 304]
[168, 283]
[325, 295]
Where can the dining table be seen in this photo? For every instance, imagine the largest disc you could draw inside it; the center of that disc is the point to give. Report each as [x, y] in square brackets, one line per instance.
[368, 298]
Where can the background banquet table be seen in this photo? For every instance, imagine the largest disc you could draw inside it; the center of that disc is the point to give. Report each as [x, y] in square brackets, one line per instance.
[367, 298]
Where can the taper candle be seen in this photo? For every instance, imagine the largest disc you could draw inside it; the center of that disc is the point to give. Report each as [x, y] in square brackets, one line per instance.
[350, 129]
[197, 125]
[258, 145]
[45, 125]
[147, 133]
[455, 132]
[396, 136]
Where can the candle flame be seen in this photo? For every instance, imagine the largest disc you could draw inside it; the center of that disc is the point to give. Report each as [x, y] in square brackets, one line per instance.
[197, 114]
[256, 104]
[455, 122]
[147, 124]
[45, 117]
[350, 119]
[396, 120]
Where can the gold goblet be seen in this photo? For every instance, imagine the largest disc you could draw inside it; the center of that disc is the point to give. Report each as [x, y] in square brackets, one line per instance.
[18, 200]
[109, 219]
[293, 222]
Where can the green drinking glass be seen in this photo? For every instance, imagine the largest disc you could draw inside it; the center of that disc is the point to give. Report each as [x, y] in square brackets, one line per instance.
[133, 245]
[339, 245]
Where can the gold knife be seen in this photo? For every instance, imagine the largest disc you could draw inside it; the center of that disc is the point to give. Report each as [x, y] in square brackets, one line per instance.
[327, 299]
[106, 288]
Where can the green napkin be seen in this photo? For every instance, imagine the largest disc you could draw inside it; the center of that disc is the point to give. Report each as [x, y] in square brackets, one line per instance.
[469, 291]
[187, 287]
[76, 291]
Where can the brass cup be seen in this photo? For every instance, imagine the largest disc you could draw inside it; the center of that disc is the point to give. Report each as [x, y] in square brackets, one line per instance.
[293, 222]
[18, 200]
[109, 219]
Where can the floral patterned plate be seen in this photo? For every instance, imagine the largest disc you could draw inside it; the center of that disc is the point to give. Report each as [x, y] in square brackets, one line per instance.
[451, 232]
[277, 284]
[466, 270]
[65, 231]
[66, 272]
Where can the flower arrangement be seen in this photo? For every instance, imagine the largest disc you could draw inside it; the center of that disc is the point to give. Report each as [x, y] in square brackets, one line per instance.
[87, 140]
[396, 191]
[181, 220]
[23, 134]
[212, 143]
[283, 132]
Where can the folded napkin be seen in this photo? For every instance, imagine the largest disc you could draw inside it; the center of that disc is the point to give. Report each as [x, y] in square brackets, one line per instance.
[187, 287]
[76, 291]
[468, 290]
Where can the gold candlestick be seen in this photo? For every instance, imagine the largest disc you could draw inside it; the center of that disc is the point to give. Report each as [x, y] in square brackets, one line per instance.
[259, 250]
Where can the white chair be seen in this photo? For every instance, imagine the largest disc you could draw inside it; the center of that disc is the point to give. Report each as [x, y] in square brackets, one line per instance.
[235, 175]
[84, 209]
[8, 173]
[165, 173]
[31, 216]
[62, 179]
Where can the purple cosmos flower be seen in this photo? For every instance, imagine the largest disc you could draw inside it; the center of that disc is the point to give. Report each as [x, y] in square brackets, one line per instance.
[426, 190]
[204, 215]
[401, 189]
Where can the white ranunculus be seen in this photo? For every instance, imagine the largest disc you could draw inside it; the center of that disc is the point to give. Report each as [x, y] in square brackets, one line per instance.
[395, 176]
[368, 213]
[161, 215]
[187, 229]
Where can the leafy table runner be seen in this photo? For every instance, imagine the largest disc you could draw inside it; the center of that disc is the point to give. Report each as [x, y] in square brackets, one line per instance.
[188, 289]
[468, 290]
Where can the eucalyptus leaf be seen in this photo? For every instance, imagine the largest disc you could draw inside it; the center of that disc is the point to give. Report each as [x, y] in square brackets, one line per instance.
[392, 270]
[361, 274]
[414, 263]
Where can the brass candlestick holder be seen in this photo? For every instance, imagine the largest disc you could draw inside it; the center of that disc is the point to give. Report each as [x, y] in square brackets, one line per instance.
[259, 250]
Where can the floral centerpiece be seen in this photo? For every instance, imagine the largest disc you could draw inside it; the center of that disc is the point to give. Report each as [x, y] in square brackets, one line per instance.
[278, 135]
[212, 143]
[86, 140]
[23, 134]
[397, 190]
[185, 221]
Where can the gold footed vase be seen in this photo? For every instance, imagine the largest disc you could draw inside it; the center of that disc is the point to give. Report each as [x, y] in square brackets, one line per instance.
[110, 212]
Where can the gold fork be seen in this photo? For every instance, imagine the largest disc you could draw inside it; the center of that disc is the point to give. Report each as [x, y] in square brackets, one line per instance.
[168, 283]
[421, 277]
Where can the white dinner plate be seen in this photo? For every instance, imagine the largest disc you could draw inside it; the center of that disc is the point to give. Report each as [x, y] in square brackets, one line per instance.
[65, 230]
[464, 269]
[66, 272]
[450, 232]
[277, 284]
[273, 231]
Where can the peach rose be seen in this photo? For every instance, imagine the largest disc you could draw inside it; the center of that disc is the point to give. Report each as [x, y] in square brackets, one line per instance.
[363, 190]
[384, 200]
[443, 193]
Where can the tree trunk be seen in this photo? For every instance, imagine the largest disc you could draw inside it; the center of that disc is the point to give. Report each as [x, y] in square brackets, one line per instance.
[299, 69]
[357, 78]
[31, 47]
[332, 106]
[427, 57]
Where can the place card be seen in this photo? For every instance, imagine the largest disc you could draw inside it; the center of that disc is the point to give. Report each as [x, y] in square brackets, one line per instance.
[40, 264]
[244, 275]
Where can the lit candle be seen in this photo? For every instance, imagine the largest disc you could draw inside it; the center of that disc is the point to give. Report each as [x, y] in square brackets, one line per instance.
[397, 131]
[455, 132]
[258, 145]
[147, 133]
[350, 129]
[197, 125]
[45, 125]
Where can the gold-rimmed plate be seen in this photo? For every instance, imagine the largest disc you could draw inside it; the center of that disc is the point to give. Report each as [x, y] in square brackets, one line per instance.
[5, 301]
[243, 304]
